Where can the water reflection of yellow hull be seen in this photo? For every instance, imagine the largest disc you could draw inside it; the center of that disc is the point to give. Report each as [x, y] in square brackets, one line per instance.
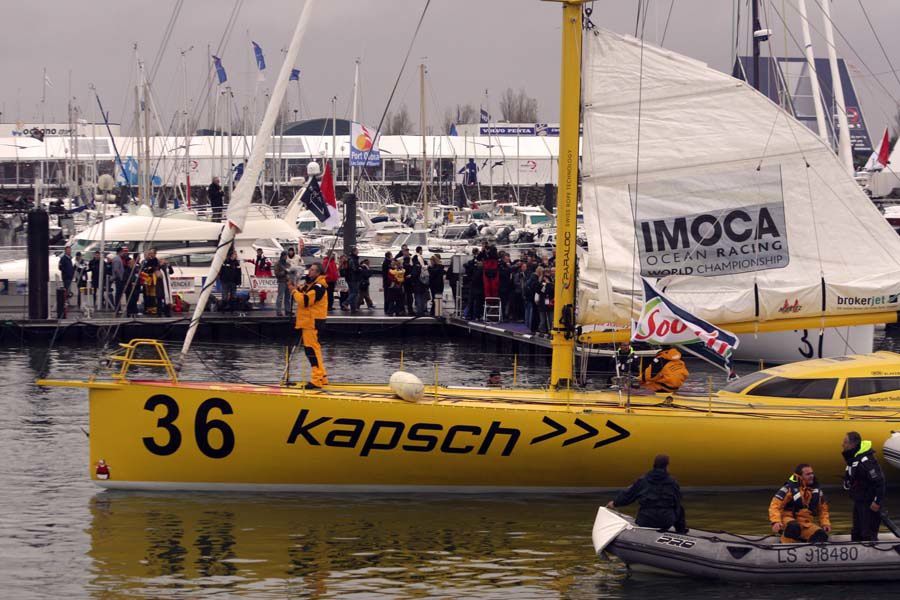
[324, 545]
[158, 435]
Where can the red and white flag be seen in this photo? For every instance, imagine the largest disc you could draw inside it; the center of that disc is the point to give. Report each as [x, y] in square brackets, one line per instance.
[334, 218]
[881, 157]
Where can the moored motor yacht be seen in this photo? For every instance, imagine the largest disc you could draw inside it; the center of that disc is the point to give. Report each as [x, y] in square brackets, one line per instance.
[186, 242]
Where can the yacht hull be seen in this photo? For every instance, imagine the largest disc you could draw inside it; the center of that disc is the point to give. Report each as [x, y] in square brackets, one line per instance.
[209, 436]
[803, 344]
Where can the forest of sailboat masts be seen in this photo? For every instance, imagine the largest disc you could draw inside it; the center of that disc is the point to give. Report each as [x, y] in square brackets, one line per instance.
[501, 160]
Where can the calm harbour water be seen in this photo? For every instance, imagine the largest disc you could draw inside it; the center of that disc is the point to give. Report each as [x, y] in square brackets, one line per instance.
[60, 536]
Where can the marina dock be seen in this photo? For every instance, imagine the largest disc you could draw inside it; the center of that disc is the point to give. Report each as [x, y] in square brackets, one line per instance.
[260, 326]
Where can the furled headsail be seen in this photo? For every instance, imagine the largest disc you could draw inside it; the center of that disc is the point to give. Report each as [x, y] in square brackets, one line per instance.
[741, 212]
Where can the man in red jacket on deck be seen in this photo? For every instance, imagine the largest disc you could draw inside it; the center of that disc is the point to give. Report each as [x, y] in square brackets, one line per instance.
[331, 276]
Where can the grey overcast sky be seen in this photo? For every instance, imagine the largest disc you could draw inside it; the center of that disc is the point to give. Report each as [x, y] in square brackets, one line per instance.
[468, 45]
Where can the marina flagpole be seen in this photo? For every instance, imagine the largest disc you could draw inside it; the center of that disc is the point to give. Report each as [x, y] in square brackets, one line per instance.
[355, 119]
[425, 171]
[333, 141]
[563, 335]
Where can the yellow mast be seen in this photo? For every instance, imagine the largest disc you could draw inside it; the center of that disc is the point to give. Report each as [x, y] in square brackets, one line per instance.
[563, 338]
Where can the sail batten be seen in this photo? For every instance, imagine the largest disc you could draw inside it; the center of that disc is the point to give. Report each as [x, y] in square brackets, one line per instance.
[739, 211]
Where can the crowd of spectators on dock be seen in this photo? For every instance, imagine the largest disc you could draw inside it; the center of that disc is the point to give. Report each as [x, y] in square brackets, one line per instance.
[131, 285]
[414, 285]
[519, 290]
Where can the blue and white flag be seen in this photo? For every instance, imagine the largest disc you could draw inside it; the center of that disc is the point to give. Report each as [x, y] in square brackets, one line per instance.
[453, 129]
[485, 117]
[295, 75]
[664, 323]
[220, 70]
[260, 59]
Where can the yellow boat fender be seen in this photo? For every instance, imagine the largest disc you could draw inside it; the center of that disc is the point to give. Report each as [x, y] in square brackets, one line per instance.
[407, 386]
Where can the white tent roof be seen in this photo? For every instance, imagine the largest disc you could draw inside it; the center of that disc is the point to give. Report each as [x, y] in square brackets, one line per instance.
[391, 146]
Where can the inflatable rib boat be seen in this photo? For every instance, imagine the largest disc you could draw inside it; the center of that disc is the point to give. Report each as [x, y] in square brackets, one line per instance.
[731, 557]
[891, 450]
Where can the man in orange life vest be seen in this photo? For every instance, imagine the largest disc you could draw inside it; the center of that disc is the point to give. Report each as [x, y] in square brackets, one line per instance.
[312, 310]
[666, 372]
[796, 506]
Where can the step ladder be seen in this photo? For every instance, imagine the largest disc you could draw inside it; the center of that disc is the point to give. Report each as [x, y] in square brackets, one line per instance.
[493, 310]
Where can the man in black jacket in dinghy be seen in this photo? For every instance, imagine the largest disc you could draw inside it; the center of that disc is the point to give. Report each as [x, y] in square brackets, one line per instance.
[659, 497]
[865, 481]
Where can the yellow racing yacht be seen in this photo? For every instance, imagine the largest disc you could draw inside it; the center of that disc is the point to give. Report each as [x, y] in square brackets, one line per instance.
[734, 241]
[169, 434]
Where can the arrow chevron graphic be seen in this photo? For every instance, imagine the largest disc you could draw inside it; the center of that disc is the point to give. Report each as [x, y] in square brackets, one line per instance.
[621, 434]
[590, 431]
[557, 430]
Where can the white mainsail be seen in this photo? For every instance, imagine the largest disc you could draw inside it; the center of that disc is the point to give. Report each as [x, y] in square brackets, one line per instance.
[243, 193]
[739, 210]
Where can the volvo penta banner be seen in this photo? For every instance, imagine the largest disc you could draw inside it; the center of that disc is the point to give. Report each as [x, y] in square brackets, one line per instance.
[363, 147]
[712, 224]
[664, 323]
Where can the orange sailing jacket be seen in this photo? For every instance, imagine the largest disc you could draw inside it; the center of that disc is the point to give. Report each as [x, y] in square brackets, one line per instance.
[312, 305]
[666, 373]
[794, 497]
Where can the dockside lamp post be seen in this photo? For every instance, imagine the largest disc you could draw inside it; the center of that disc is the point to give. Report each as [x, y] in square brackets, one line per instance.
[106, 183]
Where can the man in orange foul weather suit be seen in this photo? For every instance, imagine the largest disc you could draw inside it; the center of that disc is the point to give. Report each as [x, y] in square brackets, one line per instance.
[312, 310]
[796, 506]
[666, 373]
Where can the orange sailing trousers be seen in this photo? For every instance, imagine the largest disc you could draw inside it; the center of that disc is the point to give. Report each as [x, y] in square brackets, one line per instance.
[310, 339]
[805, 520]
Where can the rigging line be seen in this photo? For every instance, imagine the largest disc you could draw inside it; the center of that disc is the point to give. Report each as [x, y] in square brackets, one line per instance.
[637, 175]
[852, 211]
[207, 85]
[153, 226]
[877, 39]
[851, 47]
[800, 149]
[737, 39]
[131, 79]
[812, 68]
[809, 196]
[662, 42]
[393, 92]
[167, 36]
[776, 71]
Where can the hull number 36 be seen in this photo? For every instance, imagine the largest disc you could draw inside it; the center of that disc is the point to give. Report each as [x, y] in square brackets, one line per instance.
[164, 444]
